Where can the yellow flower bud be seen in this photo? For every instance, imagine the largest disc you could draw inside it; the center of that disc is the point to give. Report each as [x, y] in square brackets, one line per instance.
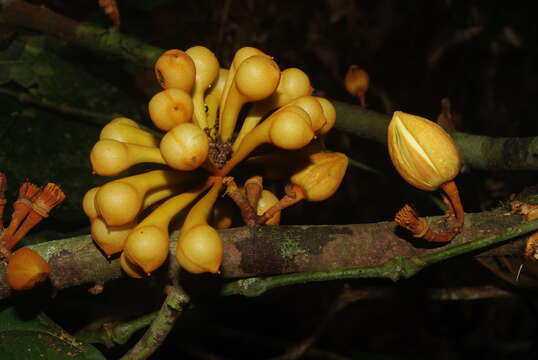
[124, 132]
[175, 69]
[291, 128]
[356, 81]
[200, 250]
[88, 203]
[147, 247]
[110, 239]
[330, 115]
[322, 176]
[185, 147]
[170, 107]
[422, 152]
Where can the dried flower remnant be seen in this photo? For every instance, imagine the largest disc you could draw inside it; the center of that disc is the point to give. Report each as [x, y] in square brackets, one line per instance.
[427, 158]
[26, 268]
[32, 205]
[21, 208]
[48, 198]
[529, 212]
[357, 82]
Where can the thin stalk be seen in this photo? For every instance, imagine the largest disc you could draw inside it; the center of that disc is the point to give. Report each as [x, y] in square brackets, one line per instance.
[161, 326]
[110, 334]
[359, 165]
[26, 98]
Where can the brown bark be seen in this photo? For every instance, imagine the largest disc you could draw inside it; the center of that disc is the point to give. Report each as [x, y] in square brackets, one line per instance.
[264, 250]
[284, 249]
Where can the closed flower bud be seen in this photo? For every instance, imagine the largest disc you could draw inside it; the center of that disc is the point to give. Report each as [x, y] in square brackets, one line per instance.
[170, 107]
[200, 250]
[291, 128]
[175, 69]
[322, 175]
[422, 152]
[185, 147]
[356, 81]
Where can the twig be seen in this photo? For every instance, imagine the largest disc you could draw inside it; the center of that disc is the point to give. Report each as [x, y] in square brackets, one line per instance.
[477, 152]
[163, 323]
[173, 306]
[108, 41]
[457, 38]
[359, 165]
[110, 334]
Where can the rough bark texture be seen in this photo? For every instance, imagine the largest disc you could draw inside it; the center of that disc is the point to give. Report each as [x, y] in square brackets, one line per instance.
[284, 249]
[280, 249]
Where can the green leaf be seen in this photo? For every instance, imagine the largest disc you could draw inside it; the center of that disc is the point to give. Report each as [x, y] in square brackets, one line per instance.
[37, 63]
[43, 147]
[39, 338]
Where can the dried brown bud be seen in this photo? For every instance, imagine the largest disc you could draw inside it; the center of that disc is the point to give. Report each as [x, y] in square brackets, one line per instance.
[26, 268]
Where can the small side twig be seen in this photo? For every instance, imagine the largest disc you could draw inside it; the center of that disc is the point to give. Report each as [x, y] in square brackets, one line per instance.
[248, 212]
[161, 326]
[110, 334]
[172, 308]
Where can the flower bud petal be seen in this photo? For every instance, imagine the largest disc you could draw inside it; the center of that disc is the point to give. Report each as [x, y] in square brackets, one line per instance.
[322, 176]
[421, 151]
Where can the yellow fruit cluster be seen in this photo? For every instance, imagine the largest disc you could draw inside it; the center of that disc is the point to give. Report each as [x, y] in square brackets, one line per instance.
[199, 109]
